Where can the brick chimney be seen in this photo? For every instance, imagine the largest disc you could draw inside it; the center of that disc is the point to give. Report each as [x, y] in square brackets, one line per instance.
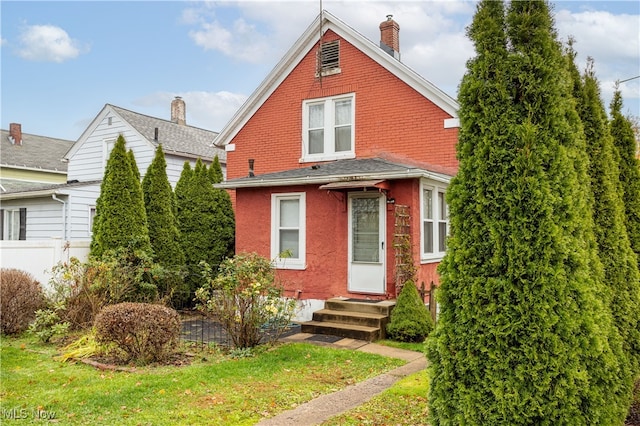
[390, 37]
[15, 133]
[178, 111]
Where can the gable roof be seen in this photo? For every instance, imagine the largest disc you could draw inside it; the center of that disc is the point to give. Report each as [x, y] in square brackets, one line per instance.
[35, 153]
[352, 170]
[300, 49]
[176, 139]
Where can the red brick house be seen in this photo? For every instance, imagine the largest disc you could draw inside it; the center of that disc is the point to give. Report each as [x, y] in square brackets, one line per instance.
[342, 157]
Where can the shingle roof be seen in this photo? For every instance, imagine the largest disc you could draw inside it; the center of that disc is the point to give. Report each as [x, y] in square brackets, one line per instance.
[336, 171]
[175, 138]
[35, 152]
[13, 188]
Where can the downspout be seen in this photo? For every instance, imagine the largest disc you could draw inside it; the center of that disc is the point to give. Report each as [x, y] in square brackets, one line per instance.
[64, 216]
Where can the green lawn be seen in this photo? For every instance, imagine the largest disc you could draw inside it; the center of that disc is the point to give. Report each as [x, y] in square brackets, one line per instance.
[405, 403]
[213, 389]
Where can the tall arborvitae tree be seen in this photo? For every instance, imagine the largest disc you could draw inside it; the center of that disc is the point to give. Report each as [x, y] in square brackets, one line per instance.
[206, 232]
[521, 337]
[629, 166]
[224, 232]
[163, 226]
[619, 260]
[120, 219]
[215, 171]
[134, 164]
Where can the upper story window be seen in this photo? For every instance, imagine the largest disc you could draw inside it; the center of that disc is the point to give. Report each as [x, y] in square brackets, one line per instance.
[107, 147]
[328, 130]
[435, 221]
[329, 58]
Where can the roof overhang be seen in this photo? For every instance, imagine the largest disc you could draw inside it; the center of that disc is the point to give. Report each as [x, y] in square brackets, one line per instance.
[356, 181]
[30, 194]
[353, 184]
[47, 191]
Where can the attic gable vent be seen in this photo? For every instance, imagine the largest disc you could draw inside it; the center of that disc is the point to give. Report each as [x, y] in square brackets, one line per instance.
[329, 58]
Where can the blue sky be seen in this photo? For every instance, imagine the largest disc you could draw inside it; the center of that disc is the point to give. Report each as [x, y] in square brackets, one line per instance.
[63, 61]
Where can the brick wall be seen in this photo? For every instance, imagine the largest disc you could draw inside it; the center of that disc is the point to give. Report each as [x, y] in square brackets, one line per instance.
[389, 117]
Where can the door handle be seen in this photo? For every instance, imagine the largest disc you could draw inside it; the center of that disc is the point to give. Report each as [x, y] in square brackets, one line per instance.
[383, 245]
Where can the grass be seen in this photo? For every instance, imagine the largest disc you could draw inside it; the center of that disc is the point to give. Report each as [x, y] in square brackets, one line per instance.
[213, 389]
[416, 347]
[405, 403]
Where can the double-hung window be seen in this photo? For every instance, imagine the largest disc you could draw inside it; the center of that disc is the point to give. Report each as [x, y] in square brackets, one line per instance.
[14, 224]
[288, 233]
[435, 222]
[328, 128]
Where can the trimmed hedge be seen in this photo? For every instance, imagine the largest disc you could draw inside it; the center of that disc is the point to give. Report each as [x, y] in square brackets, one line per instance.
[142, 332]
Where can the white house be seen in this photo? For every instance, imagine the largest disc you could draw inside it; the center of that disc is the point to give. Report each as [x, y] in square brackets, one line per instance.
[61, 214]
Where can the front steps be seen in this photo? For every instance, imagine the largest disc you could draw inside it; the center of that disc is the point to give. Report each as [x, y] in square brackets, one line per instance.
[361, 320]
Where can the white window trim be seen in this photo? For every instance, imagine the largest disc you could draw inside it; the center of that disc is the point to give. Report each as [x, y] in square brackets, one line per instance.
[91, 219]
[10, 216]
[437, 255]
[329, 142]
[288, 263]
[107, 146]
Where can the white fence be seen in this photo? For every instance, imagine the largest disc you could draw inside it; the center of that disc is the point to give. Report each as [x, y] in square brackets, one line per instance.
[39, 257]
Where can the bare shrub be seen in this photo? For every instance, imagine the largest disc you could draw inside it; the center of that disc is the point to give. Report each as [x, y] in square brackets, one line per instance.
[20, 297]
[142, 332]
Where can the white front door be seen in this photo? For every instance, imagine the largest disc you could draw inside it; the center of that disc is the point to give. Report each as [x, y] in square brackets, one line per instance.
[366, 243]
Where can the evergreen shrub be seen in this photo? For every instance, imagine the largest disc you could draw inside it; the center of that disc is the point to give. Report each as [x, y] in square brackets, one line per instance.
[410, 319]
[141, 332]
[20, 297]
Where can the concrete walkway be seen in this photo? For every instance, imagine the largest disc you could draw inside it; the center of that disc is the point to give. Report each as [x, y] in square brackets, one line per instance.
[324, 407]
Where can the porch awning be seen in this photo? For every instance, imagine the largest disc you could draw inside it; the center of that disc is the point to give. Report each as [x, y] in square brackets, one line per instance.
[352, 184]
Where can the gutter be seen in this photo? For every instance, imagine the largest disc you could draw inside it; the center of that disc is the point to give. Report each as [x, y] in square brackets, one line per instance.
[64, 215]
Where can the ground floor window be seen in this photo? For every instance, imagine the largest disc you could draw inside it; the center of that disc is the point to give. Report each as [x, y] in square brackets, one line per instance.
[288, 233]
[14, 224]
[434, 214]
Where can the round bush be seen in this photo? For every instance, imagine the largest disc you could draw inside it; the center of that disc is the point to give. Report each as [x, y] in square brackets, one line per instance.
[141, 332]
[20, 297]
[410, 319]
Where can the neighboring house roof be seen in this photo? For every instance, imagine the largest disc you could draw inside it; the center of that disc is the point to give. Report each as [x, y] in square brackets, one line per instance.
[352, 170]
[11, 189]
[39, 153]
[307, 41]
[176, 139]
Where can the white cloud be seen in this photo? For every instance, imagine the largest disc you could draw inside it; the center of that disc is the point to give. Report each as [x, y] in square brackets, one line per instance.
[606, 35]
[613, 41]
[207, 110]
[432, 35]
[240, 41]
[48, 43]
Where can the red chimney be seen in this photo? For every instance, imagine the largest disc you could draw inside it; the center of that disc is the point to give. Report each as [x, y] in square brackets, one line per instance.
[390, 37]
[15, 132]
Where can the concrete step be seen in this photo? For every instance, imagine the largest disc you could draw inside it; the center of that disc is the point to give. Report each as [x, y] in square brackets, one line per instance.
[352, 331]
[382, 307]
[350, 317]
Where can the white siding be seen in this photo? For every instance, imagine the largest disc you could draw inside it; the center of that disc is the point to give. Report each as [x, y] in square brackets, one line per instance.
[81, 199]
[175, 165]
[87, 163]
[44, 216]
